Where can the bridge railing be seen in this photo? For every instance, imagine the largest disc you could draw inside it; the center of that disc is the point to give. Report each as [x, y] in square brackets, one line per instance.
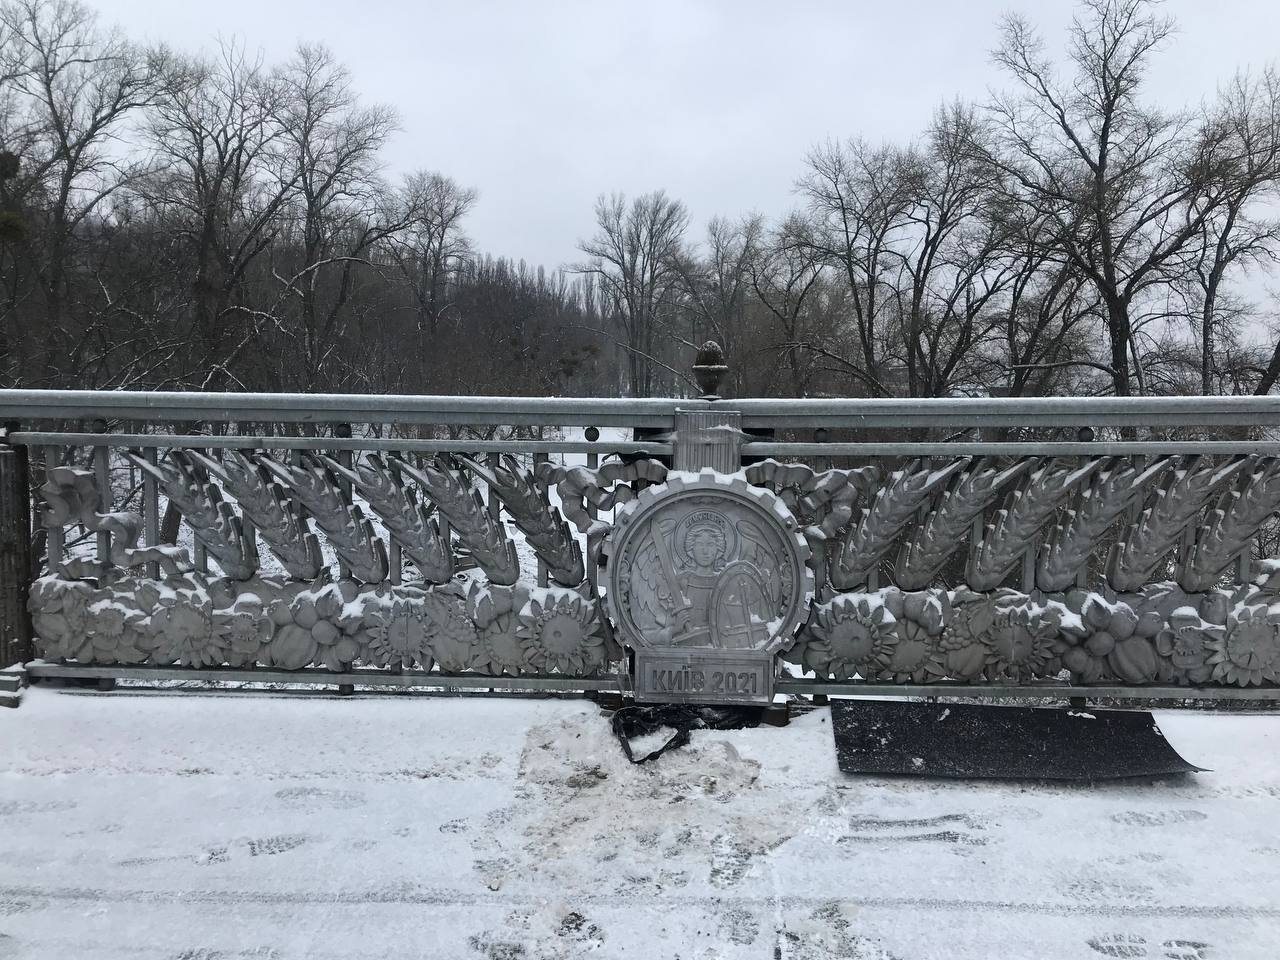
[1005, 544]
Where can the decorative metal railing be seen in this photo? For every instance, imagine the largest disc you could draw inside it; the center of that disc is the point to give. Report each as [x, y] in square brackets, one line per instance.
[338, 538]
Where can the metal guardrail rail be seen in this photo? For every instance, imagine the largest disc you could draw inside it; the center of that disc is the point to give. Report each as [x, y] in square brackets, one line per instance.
[192, 441]
[32, 406]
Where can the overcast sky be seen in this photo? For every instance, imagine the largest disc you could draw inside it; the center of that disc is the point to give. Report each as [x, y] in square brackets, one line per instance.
[541, 106]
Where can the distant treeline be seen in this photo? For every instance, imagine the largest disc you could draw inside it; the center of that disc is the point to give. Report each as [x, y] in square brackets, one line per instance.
[170, 221]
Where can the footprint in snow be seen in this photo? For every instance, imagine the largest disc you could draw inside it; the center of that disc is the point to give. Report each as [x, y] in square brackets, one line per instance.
[1157, 818]
[1122, 945]
[1127, 945]
[1185, 950]
[260, 847]
[318, 798]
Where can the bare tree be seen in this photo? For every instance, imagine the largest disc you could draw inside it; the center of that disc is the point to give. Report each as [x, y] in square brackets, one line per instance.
[336, 212]
[717, 284]
[952, 254]
[76, 86]
[221, 184]
[1126, 186]
[785, 273]
[432, 247]
[1043, 343]
[857, 196]
[635, 258]
[1239, 234]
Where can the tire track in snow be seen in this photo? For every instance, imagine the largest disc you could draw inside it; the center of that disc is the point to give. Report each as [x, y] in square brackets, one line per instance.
[446, 897]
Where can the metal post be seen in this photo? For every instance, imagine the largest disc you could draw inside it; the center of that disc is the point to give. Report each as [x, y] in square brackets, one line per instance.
[346, 458]
[15, 552]
[53, 541]
[1244, 564]
[708, 438]
[446, 528]
[395, 554]
[201, 552]
[592, 434]
[343, 431]
[1084, 435]
[538, 460]
[151, 510]
[102, 480]
[494, 505]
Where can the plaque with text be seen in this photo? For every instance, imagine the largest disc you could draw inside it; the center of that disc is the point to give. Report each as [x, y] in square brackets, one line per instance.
[703, 676]
[707, 580]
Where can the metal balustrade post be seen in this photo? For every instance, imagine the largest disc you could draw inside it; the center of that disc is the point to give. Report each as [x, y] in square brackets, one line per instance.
[708, 438]
[538, 460]
[345, 458]
[1084, 435]
[15, 552]
[54, 537]
[201, 551]
[151, 509]
[395, 553]
[494, 505]
[446, 530]
[591, 435]
[102, 480]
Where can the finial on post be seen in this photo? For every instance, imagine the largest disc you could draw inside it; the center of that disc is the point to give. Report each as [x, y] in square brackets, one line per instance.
[709, 369]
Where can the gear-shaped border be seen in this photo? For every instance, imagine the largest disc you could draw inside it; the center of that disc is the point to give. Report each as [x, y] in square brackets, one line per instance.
[765, 503]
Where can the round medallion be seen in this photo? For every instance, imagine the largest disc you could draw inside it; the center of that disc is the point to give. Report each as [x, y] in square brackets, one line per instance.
[707, 561]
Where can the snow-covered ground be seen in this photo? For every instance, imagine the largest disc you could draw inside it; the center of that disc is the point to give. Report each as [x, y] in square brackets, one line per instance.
[162, 827]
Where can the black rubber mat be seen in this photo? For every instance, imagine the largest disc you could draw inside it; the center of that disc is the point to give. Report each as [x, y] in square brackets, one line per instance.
[999, 743]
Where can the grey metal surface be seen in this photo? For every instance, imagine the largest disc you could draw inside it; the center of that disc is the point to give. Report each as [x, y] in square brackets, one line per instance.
[948, 567]
[28, 405]
[707, 439]
[707, 561]
[801, 687]
[261, 442]
[1264, 448]
[707, 580]
[34, 405]
[674, 675]
[998, 691]
[15, 555]
[1139, 627]
[363, 678]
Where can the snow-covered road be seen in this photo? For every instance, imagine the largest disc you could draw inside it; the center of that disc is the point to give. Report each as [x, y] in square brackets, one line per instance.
[208, 828]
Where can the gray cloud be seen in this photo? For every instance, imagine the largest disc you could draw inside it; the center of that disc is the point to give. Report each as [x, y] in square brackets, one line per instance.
[542, 106]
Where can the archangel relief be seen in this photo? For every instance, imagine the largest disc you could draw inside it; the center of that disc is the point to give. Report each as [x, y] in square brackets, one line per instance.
[706, 575]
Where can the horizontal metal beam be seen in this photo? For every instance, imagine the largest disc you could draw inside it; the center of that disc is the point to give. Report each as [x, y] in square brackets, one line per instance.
[653, 448]
[202, 442]
[850, 688]
[944, 416]
[1024, 449]
[986, 691]
[360, 678]
[36, 405]
[847, 412]
[1013, 411]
